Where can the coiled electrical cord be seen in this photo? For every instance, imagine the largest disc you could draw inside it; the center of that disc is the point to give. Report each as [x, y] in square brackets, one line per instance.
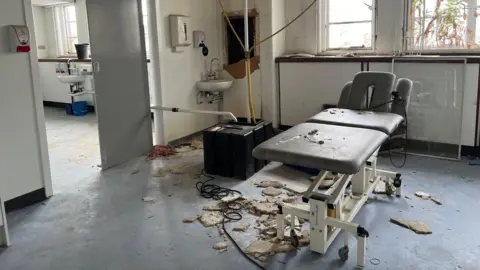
[232, 212]
[404, 103]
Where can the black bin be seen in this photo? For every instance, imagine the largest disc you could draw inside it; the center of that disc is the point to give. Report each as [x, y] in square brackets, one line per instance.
[82, 50]
[228, 148]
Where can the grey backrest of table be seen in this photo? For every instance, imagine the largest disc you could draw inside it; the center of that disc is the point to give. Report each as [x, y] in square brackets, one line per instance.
[382, 83]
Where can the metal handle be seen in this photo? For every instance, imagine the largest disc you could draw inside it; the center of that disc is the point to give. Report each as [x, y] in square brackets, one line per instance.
[96, 67]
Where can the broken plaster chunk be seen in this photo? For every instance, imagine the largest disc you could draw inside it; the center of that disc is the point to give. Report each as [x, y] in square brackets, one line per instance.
[209, 219]
[271, 191]
[214, 207]
[149, 199]
[274, 200]
[221, 231]
[283, 247]
[190, 219]
[290, 200]
[241, 227]
[269, 183]
[220, 246]
[422, 195]
[264, 207]
[259, 247]
[416, 226]
[231, 198]
[436, 200]
[290, 194]
[261, 258]
[263, 218]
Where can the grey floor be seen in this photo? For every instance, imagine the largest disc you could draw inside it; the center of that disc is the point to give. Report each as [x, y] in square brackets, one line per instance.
[97, 220]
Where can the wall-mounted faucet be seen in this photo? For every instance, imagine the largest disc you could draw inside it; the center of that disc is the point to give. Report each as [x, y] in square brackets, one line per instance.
[212, 73]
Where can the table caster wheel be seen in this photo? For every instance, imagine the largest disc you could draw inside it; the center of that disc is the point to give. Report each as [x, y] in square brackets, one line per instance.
[343, 253]
[397, 183]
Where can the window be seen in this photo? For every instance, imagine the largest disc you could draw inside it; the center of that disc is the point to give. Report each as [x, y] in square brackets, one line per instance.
[445, 24]
[146, 26]
[348, 24]
[70, 28]
[66, 32]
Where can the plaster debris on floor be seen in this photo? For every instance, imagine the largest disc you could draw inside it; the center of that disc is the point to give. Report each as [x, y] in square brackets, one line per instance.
[209, 219]
[220, 246]
[418, 227]
[269, 183]
[241, 227]
[190, 219]
[422, 195]
[271, 191]
[148, 199]
[264, 222]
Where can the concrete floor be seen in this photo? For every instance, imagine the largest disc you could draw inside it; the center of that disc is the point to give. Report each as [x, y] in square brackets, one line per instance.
[97, 220]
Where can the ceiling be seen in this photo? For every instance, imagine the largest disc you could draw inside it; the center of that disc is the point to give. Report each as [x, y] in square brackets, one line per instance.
[50, 2]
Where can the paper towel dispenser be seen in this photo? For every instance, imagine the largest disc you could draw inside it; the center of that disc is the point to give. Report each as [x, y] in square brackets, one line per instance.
[180, 33]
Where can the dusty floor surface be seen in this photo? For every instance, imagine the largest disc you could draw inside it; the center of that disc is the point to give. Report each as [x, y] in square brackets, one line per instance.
[99, 220]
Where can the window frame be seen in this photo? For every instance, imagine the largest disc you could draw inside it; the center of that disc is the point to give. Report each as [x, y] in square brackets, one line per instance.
[323, 11]
[66, 22]
[410, 33]
[60, 24]
[146, 26]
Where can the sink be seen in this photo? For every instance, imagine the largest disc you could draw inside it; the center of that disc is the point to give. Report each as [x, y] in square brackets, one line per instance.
[214, 85]
[71, 79]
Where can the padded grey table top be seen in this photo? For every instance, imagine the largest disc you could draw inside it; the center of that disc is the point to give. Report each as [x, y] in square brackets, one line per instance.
[325, 147]
[384, 122]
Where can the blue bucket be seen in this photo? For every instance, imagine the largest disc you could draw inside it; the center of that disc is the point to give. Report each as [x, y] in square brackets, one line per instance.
[79, 108]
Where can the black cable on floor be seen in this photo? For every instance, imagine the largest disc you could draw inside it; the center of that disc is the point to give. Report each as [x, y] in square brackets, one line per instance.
[232, 211]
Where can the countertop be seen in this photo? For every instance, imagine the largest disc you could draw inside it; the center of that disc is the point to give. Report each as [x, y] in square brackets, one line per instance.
[382, 58]
[65, 60]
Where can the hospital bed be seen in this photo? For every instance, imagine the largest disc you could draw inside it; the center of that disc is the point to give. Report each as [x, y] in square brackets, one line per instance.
[343, 143]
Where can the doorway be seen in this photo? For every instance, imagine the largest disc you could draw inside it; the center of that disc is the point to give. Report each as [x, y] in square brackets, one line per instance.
[94, 119]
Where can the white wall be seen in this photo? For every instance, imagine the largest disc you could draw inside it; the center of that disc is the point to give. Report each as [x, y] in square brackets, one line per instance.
[301, 36]
[40, 31]
[182, 69]
[21, 167]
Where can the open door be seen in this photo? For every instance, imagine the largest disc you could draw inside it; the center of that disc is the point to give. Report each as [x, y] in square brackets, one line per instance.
[121, 80]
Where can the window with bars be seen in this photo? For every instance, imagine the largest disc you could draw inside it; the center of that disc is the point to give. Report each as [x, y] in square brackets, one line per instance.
[443, 25]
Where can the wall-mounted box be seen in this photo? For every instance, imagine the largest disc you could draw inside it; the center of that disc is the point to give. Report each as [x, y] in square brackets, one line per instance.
[180, 33]
[19, 38]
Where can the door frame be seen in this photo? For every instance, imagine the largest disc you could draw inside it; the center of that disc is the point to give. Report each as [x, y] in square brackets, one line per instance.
[40, 128]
